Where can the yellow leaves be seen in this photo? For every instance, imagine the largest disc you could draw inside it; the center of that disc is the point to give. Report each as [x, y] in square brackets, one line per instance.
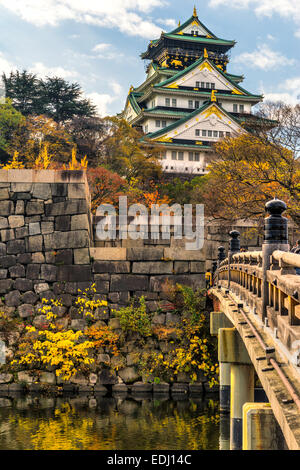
[13, 164]
[74, 164]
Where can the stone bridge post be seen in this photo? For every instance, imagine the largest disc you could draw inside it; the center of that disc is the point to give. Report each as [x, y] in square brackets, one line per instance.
[234, 247]
[275, 238]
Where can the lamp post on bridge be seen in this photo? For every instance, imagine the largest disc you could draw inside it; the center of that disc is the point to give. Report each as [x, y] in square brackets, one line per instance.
[234, 247]
[275, 238]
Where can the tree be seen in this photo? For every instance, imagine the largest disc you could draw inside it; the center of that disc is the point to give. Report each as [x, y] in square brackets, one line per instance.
[54, 97]
[63, 100]
[11, 121]
[88, 134]
[105, 186]
[249, 171]
[37, 133]
[124, 152]
[24, 90]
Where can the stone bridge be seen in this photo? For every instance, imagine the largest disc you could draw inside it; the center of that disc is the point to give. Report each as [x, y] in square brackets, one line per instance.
[256, 297]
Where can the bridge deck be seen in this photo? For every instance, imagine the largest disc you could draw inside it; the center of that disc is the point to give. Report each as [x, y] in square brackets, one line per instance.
[285, 410]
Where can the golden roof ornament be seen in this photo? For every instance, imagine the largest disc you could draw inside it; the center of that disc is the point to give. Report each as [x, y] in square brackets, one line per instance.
[205, 54]
[179, 24]
[195, 12]
[213, 97]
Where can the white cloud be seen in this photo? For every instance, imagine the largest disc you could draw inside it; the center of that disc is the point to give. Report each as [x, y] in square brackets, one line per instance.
[101, 47]
[126, 15]
[5, 65]
[287, 92]
[263, 58]
[106, 51]
[102, 101]
[270, 37]
[43, 71]
[169, 22]
[285, 8]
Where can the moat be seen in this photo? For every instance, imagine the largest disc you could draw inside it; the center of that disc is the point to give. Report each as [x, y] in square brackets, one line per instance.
[109, 423]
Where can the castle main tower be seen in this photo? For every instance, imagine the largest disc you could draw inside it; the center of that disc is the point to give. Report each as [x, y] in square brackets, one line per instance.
[189, 100]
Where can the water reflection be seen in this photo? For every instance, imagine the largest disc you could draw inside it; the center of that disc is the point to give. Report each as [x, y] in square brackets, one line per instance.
[108, 423]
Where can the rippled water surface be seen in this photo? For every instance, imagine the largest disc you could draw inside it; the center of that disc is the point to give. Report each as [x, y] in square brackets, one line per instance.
[108, 423]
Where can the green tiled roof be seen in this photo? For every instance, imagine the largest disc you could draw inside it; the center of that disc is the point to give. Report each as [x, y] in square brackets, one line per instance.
[167, 129]
[199, 39]
[194, 65]
[187, 23]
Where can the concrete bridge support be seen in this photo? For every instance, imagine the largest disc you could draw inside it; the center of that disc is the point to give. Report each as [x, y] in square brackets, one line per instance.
[219, 320]
[260, 428]
[231, 351]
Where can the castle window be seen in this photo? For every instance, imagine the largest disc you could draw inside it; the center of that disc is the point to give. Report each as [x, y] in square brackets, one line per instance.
[235, 108]
[157, 123]
[207, 85]
[213, 86]
[191, 156]
[227, 134]
[197, 84]
[215, 133]
[191, 104]
[197, 132]
[167, 101]
[221, 134]
[202, 85]
[174, 103]
[192, 32]
[163, 123]
[163, 156]
[209, 133]
[197, 104]
[203, 133]
[174, 155]
[180, 155]
[241, 108]
[197, 157]
[146, 129]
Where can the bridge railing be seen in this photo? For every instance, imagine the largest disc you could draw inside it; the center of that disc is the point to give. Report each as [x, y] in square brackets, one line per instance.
[266, 280]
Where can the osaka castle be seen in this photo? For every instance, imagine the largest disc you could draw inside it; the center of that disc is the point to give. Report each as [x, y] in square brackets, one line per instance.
[189, 100]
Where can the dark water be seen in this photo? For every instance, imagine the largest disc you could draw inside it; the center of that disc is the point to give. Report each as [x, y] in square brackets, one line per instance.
[108, 423]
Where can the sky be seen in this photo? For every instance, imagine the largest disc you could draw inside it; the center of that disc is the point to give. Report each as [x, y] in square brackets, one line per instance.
[98, 43]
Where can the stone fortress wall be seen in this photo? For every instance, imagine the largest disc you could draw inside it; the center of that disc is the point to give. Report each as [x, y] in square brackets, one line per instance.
[47, 250]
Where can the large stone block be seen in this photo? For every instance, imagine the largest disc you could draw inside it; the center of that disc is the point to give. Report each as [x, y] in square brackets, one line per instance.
[21, 232]
[20, 208]
[81, 256]
[145, 254]
[59, 189]
[23, 285]
[21, 187]
[61, 240]
[63, 257]
[8, 234]
[4, 193]
[38, 258]
[154, 267]
[34, 228]
[15, 247]
[129, 375]
[66, 208]
[74, 273]
[80, 222]
[3, 223]
[13, 299]
[130, 282]
[115, 267]
[193, 280]
[17, 271]
[6, 208]
[7, 261]
[47, 227]
[41, 191]
[181, 267]
[2, 249]
[197, 267]
[35, 243]
[3, 273]
[26, 310]
[108, 254]
[48, 272]
[63, 223]
[34, 207]
[15, 221]
[5, 285]
[76, 191]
